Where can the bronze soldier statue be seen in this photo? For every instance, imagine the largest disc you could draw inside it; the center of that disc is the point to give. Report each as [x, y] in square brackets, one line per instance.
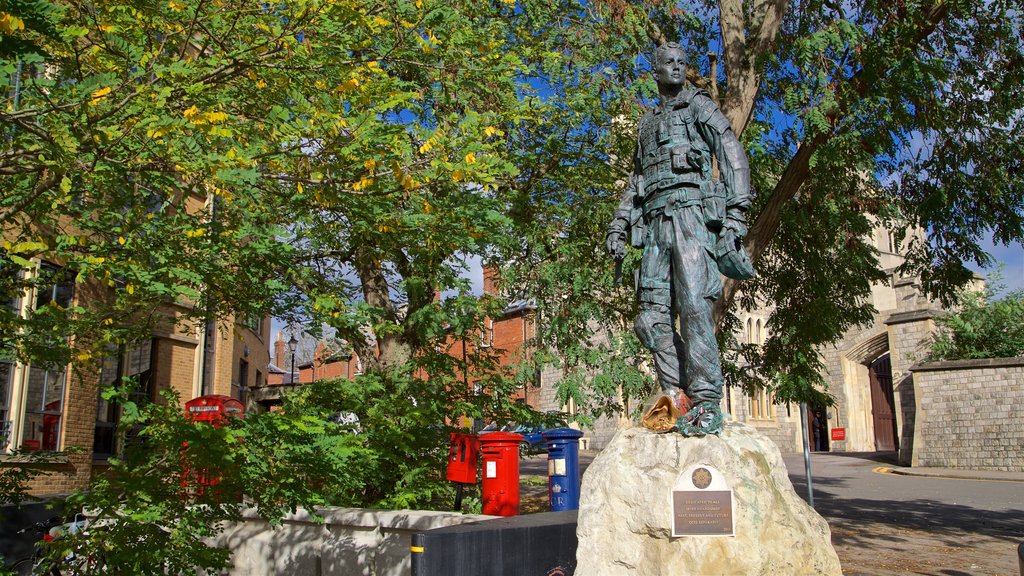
[690, 227]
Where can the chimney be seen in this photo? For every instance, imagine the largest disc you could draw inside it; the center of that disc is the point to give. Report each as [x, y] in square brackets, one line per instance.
[279, 348]
[491, 279]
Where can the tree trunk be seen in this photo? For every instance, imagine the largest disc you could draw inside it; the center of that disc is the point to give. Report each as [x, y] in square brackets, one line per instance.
[391, 350]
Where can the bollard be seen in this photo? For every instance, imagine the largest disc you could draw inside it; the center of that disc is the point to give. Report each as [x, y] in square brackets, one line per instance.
[500, 487]
[462, 456]
[563, 468]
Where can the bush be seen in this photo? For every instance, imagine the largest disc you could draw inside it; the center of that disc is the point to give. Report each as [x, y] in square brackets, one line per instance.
[981, 329]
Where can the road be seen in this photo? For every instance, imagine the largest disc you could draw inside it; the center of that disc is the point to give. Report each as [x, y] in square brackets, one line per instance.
[885, 524]
[890, 524]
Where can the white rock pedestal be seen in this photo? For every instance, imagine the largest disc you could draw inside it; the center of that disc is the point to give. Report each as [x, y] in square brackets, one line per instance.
[625, 516]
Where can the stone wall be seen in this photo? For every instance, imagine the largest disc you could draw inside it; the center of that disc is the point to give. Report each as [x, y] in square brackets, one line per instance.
[968, 414]
[349, 542]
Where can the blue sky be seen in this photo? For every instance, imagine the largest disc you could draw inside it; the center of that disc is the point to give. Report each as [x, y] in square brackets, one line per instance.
[1012, 259]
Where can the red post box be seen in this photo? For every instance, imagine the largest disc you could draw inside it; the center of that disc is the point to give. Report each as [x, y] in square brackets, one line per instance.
[462, 455]
[500, 490]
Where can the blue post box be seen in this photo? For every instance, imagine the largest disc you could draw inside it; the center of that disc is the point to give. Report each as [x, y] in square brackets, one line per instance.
[563, 468]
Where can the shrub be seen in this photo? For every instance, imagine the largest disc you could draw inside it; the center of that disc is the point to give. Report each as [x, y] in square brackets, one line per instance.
[981, 329]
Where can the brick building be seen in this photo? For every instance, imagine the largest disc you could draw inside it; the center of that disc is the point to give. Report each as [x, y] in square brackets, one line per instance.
[54, 410]
[505, 335]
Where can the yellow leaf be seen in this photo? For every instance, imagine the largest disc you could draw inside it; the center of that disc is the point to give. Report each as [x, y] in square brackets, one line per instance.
[190, 112]
[99, 95]
[121, 240]
[106, 27]
[347, 85]
[426, 147]
[459, 176]
[298, 187]
[159, 132]
[130, 288]
[471, 158]
[84, 356]
[370, 164]
[176, 6]
[9, 23]
[490, 131]
[261, 84]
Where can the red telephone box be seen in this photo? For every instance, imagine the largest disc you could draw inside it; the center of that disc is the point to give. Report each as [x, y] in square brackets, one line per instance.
[500, 489]
[213, 409]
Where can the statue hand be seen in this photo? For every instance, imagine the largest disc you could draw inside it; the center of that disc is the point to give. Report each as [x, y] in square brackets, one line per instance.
[616, 244]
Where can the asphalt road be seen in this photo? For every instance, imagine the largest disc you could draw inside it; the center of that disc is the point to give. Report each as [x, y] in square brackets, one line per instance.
[848, 485]
[886, 524]
[890, 524]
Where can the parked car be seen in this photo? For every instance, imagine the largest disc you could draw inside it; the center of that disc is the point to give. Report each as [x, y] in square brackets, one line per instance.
[532, 433]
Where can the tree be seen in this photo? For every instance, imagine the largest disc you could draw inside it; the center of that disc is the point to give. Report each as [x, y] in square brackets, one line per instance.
[853, 115]
[329, 162]
[982, 327]
[317, 160]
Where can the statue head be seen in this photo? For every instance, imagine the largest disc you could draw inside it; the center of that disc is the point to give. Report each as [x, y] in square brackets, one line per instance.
[669, 67]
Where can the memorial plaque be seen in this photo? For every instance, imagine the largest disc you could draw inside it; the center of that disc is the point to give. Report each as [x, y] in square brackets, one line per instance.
[702, 504]
[702, 513]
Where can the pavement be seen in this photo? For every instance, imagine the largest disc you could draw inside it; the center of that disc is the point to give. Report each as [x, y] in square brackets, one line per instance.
[930, 472]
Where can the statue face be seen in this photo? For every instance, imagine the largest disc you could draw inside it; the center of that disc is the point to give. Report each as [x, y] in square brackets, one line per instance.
[670, 70]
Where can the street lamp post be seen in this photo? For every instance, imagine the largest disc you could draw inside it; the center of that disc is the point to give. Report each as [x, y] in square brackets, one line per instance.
[292, 343]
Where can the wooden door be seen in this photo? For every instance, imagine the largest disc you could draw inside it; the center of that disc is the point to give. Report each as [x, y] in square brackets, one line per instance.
[883, 405]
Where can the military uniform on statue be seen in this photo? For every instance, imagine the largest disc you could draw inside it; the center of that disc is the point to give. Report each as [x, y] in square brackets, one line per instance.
[713, 499]
[690, 227]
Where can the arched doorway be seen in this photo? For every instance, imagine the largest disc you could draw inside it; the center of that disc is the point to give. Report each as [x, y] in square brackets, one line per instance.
[817, 429]
[883, 405]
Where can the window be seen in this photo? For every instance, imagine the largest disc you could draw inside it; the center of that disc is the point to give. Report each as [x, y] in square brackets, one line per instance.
[32, 397]
[55, 287]
[44, 408]
[761, 405]
[11, 288]
[242, 386]
[136, 364]
[253, 322]
[6, 384]
[487, 334]
[107, 413]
